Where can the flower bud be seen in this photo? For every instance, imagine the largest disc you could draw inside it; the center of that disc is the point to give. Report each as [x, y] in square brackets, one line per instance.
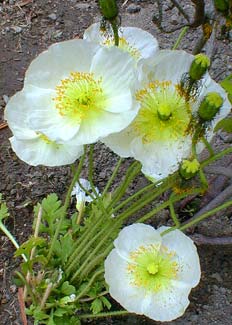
[199, 66]
[108, 8]
[210, 106]
[189, 168]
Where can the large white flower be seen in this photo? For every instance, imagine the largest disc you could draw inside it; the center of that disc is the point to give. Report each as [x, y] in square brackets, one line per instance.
[79, 91]
[33, 147]
[150, 274]
[137, 42]
[160, 135]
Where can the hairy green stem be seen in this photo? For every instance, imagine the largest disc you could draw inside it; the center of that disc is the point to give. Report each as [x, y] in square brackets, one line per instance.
[206, 215]
[115, 31]
[173, 214]
[66, 203]
[208, 146]
[91, 281]
[219, 155]
[167, 203]
[11, 238]
[106, 314]
[111, 179]
[180, 37]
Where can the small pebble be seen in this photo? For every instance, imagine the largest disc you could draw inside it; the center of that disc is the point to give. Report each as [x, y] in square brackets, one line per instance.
[5, 98]
[17, 29]
[52, 16]
[132, 8]
[11, 2]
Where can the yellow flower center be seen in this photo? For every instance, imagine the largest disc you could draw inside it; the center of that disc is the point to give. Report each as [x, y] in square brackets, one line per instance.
[152, 267]
[164, 114]
[80, 96]
[124, 46]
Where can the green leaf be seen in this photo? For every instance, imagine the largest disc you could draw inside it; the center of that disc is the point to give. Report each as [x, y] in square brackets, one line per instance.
[52, 211]
[64, 247]
[67, 289]
[227, 85]
[225, 125]
[106, 302]
[96, 306]
[3, 209]
[27, 246]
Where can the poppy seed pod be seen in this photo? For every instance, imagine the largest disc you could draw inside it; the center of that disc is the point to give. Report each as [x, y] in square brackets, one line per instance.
[210, 106]
[199, 66]
[108, 8]
[188, 168]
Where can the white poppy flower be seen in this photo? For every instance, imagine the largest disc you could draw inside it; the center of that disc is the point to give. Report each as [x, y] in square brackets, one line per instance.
[35, 148]
[160, 137]
[150, 274]
[79, 91]
[137, 42]
[81, 195]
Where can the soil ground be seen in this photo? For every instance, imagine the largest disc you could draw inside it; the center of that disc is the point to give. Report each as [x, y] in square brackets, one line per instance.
[27, 28]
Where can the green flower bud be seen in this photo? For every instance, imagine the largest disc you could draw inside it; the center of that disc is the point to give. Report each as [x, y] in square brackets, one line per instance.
[189, 168]
[108, 8]
[199, 66]
[210, 106]
[221, 5]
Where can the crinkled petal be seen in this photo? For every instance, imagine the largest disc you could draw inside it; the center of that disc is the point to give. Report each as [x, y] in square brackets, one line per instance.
[132, 237]
[169, 304]
[142, 41]
[45, 118]
[38, 152]
[116, 69]
[189, 271]
[160, 159]
[107, 123]
[120, 288]
[120, 143]
[170, 65]
[55, 64]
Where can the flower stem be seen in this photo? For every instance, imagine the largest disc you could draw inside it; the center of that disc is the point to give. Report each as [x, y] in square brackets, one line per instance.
[106, 314]
[167, 203]
[111, 179]
[206, 215]
[208, 146]
[91, 281]
[181, 35]
[11, 238]
[115, 31]
[173, 214]
[66, 203]
[219, 155]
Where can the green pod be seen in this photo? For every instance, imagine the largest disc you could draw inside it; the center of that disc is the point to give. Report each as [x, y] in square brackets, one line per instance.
[108, 9]
[199, 66]
[210, 106]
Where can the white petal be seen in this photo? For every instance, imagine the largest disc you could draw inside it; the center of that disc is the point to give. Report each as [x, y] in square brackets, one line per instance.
[45, 118]
[38, 152]
[55, 64]
[189, 271]
[118, 279]
[170, 65]
[143, 41]
[132, 237]
[107, 123]
[116, 69]
[120, 143]
[16, 114]
[137, 38]
[160, 159]
[168, 304]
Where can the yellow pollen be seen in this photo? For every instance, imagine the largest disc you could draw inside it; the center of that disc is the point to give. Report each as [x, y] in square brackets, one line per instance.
[123, 45]
[80, 96]
[164, 114]
[152, 267]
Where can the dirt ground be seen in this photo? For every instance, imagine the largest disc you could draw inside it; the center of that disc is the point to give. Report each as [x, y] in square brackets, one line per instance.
[28, 27]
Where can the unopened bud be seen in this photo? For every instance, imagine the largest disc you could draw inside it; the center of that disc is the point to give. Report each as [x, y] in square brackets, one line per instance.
[210, 106]
[189, 168]
[108, 8]
[199, 66]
